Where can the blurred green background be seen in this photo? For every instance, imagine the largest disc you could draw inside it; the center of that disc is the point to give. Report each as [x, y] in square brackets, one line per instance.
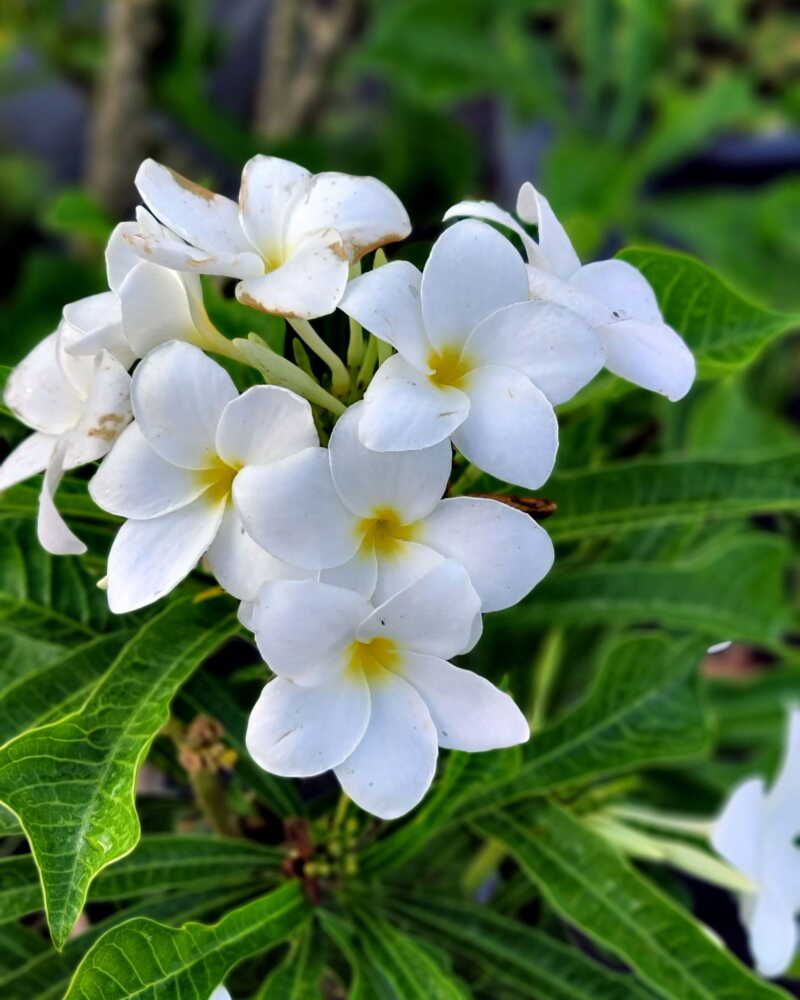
[672, 121]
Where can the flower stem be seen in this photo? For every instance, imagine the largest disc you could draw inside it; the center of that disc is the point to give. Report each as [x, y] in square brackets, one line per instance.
[340, 377]
[355, 345]
[662, 821]
[279, 371]
[465, 481]
[547, 664]
[367, 363]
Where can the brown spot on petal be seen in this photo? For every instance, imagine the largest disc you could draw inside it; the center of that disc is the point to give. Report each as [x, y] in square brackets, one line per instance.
[361, 251]
[339, 250]
[539, 508]
[108, 426]
[190, 186]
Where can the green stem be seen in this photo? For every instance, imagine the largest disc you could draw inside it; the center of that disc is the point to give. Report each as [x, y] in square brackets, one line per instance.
[279, 371]
[341, 811]
[547, 664]
[367, 363]
[465, 481]
[355, 345]
[486, 861]
[662, 821]
[340, 377]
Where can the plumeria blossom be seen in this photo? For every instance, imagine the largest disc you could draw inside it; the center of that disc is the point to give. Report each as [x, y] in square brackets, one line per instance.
[171, 472]
[76, 407]
[380, 520]
[757, 832]
[368, 691]
[611, 295]
[477, 361]
[146, 304]
[291, 239]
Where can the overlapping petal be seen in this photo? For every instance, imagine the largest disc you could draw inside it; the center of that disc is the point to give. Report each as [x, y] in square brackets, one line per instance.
[650, 355]
[39, 394]
[270, 189]
[554, 244]
[264, 424]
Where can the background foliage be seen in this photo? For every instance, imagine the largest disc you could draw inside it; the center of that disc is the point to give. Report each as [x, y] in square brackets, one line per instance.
[668, 128]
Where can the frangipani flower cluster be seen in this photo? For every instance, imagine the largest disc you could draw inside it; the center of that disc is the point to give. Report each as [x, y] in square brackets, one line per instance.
[360, 577]
[757, 832]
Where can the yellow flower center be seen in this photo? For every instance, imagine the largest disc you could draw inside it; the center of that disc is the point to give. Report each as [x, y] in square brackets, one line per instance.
[217, 480]
[449, 365]
[384, 531]
[372, 657]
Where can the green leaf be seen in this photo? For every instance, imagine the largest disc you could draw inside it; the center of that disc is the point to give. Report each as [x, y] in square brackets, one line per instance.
[396, 967]
[71, 783]
[44, 692]
[143, 958]
[158, 864]
[18, 945]
[592, 886]
[45, 973]
[732, 589]
[299, 974]
[528, 961]
[650, 493]
[74, 212]
[724, 329]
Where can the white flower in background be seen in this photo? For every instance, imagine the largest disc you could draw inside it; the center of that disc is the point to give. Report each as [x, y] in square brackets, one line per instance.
[757, 832]
[220, 993]
[611, 295]
[369, 691]
[380, 519]
[291, 239]
[147, 304]
[477, 362]
[76, 408]
[171, 472]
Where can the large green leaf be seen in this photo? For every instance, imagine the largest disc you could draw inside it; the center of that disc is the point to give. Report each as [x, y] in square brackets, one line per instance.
[143, 958]
[595, 888]
[159, 863]
[299, 974]
[528, 961]
[653, 492]
[731, 589]
[724, 329]
[71, 783]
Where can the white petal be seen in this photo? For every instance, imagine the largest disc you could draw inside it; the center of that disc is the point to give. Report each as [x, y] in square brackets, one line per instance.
[38, 393]
[297, 732]
[386, 302]
[555, 348]
[392, 767]
[650, 355]
[554, 243]
[155, 308]
[622, 287]
[471, 271]
[505, 552]
[96, 322]
[469, 712]
[360, 573]
[493, 213]
[168, 250]
[178, 397]
[204, 219]
[364, 210]
[303, 628]
[309, 284]
[106, 413]
[270, 188]
[511, 431]
[433, 615]
[736, 835]
[264, 424]
[149, 558]
[27, 459]
[407, 563]
[135, 481]
[120, 255]
[51, 529]
[239, 564]
[405, 411]
[543, 286]
[292, 509]
[407, 482]
[773, 932]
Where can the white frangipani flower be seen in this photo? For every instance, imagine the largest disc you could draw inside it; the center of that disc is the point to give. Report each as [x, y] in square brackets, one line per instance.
[291, 239]
[172, 470]
[380, 519]
[477, 362]
[147, 304]
[76, 408]
[611, 295]
[757, 832]
[369, 691]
